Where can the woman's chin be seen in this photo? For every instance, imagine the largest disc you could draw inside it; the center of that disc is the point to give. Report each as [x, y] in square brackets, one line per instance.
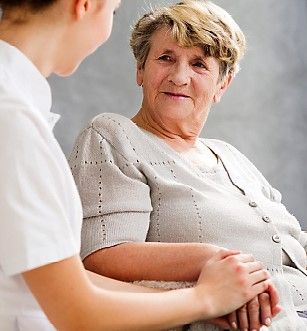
[177, 113]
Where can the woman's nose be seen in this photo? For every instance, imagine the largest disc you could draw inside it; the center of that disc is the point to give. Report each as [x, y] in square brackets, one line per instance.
[179, 75]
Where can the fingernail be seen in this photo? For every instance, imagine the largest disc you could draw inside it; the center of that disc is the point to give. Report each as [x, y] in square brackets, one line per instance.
[268, 321]
[234, 325]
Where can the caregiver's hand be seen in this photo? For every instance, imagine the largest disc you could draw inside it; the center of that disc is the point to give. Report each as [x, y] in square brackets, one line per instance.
[245, 279]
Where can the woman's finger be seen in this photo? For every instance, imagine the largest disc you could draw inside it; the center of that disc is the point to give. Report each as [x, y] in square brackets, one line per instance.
[232, 319]
[265, 309]
[242, 318]
[253, 310]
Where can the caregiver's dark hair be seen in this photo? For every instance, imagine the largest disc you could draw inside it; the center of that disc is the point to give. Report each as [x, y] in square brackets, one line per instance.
[34, 5]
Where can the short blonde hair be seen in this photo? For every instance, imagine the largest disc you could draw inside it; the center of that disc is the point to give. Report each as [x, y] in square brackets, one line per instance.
[193, 23]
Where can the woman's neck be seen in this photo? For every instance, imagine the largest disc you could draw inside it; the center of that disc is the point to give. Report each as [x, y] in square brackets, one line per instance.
[180, 136]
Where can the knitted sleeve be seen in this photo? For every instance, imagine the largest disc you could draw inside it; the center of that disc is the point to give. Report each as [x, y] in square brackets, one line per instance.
[115, 197]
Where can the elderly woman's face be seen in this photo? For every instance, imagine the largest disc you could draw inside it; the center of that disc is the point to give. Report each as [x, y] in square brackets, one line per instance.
[179, 83]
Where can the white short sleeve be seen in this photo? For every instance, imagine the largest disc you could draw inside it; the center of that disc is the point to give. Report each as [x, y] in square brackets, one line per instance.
[35, 202]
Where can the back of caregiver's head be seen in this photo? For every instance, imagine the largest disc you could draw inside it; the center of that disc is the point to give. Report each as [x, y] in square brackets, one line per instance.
[57, 35]
[33, 5]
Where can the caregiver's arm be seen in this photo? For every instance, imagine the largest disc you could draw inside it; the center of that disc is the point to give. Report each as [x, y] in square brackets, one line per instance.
[175, 262]
[151, 261]
[116, 285]
[72, 302]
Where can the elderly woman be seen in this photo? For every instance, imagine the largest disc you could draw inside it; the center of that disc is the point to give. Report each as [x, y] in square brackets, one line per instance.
[160, 200]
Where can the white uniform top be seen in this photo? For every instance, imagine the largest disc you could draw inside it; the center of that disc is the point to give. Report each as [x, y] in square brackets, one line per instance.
[40, 209]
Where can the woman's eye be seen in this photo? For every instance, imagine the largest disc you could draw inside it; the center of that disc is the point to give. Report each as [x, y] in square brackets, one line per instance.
[165, 58]
[199, 65]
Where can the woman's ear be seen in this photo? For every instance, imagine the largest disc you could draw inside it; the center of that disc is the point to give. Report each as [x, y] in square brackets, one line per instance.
[139, 74]
[222, 87]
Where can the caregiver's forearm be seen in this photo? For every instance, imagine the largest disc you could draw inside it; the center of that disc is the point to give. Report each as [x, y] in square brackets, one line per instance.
[151, 261]
[119, 286]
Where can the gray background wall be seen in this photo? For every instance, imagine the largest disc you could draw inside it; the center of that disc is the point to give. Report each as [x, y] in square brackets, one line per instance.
[264, 113]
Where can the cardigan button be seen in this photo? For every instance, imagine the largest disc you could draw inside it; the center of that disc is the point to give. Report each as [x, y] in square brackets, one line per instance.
[253, 204]
[276, 238]
[266, 219]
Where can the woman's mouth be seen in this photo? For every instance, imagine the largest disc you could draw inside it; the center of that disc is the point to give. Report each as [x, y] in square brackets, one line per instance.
[176, 96]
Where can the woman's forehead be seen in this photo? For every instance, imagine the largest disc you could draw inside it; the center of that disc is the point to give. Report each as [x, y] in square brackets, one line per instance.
[163, 41]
